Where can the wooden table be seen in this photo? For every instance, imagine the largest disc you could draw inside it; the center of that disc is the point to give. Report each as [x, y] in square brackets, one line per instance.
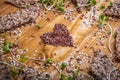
[83, 37]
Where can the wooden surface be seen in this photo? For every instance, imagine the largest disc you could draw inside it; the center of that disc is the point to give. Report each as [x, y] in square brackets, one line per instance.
[83, 37]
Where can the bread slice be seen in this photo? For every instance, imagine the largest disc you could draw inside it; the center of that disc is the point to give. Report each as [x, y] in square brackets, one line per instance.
[22, 3]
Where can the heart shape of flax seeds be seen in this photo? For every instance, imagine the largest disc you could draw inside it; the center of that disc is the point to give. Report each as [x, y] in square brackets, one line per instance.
[59, 37]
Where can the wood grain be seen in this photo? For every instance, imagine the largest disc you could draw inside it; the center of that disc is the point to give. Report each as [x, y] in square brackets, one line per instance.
[82, 37]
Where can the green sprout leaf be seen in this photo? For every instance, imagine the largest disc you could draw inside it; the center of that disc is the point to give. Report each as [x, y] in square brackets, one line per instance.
[6, 49]
[75, 74]
[23, 59]
[13, 71]
[57, 4]
[47, 1]
[102, 7]
[102, 19]
[60, 5]
[7, 46]
[37, 26]
[49, 60]
[20, 69]
[73, 77]
[63, 65]
[107, 18]
[111, 4]
[62, 77]
[28, 6]
[10, 44]
[62, 9]
[92, 2]
[70, 78]
[5, 35]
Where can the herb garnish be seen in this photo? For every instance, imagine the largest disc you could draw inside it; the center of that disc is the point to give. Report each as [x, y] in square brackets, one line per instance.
[16, 70]
[63, 77]
[49, 60]
[102, 19]
[7, 46]
[23, 59]
[5, 35]
[59, 4]
[27, 6]
[111, 4]
[49, 2]
[13, 71]
[37, 26]
[92, 2]
[74, 76]
[102, 7]
[63, 65]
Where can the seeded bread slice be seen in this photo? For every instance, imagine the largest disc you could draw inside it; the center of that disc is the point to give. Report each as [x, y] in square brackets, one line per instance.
[4, 70]
[113, 11]
[117, 53]
[102, 68]
[18, 18]
[22, 3]
[80, 4]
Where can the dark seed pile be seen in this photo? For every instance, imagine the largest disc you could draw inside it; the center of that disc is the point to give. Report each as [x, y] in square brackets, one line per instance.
[117, 53]
[19, 18]
[21, 3]
[80, 4]
[113, 11]
[59, 37]
[101, 67]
